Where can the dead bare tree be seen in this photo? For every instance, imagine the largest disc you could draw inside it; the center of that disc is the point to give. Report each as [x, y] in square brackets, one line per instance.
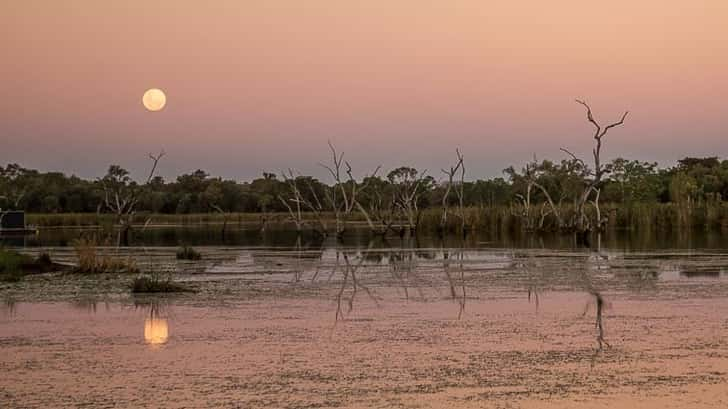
[342, 195]
[354, 200]
[298, 200]
[121, 195]
[379, 215]
[316, 207]
[448, 187]
[531, 173]
[340, 205]
[225, 216]
[460, 192]
[409, 185]
[594, 176]
[601, 222]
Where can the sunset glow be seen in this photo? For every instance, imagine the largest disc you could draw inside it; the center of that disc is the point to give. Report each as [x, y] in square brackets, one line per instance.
[497, 78]
[364, 204]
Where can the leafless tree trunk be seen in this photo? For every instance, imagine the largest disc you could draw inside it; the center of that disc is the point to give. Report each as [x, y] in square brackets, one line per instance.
[595, 203]
[406, 198]
[225, 216]
[460, 191]
[554, 209]
[445, 198]
[339, 205]
[121, 199]
[525, 211]
[531, 174]
[342, 196]
[379, 218]
[295, 215]
[582, 222]
[544, 213]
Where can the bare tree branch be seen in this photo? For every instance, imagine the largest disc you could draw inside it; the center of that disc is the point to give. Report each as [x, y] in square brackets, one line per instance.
[155, 161]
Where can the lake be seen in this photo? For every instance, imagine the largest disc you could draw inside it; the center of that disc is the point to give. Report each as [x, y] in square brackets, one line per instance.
[282, 321]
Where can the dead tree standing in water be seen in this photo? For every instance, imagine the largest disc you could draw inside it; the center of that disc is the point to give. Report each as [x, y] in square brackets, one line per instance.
[225, 217]
[408, 185]
[592, 184]
[342, 196]
[379, 217]
[531, 174]
[459, 191]
[339, 205]
[121, 195]
[298, 200]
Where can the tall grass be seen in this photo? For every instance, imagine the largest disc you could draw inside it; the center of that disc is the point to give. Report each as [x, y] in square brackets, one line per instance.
[105, 219]
[635, 216]
[155, 283]
[92, 261]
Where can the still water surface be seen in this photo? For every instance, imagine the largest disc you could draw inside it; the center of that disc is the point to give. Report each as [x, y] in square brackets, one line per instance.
[283, 322]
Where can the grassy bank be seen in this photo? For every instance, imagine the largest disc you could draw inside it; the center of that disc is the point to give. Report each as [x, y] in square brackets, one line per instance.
[104, 219]
[15, 266]
[639, 216]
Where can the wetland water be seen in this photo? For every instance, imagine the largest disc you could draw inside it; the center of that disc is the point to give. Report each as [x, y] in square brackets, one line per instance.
[284, 323]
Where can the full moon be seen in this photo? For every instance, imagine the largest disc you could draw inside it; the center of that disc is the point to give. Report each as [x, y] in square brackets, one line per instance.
[154, 99]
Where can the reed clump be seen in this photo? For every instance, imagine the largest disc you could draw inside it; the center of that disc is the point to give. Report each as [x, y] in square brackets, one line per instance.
[188, 253]
[92, 261]
[155, 283]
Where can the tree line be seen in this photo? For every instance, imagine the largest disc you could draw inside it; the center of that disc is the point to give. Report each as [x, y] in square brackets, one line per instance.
[545, 194]
[630, 181]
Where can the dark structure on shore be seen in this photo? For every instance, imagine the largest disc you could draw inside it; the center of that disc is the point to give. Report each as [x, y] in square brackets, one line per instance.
[12, 221]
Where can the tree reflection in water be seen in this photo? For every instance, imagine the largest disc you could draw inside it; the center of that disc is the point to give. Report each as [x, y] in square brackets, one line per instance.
[10, 305]
[350, 278]
[599, 302]
[460, 298]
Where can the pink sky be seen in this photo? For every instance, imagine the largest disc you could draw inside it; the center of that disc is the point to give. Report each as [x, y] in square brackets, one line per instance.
[257, 86]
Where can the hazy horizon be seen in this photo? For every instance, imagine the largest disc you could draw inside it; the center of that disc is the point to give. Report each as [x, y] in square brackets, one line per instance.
[262, 85]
